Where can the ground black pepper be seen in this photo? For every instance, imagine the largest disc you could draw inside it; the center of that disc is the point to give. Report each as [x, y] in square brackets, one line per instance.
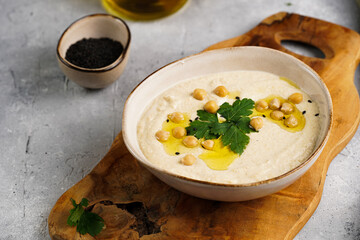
[237, 97]
[316, 114]
[303, 112]
[94, 52]
[309, 101]
[167, 120]
[177, 153]
[263, 115]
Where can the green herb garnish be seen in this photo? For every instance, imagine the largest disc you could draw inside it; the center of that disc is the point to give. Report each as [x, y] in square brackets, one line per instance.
[232, 131]
[84, 220]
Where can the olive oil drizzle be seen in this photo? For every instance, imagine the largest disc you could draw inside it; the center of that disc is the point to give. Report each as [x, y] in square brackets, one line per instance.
[174, 145]
[297, 114]
[219, 158]
[289, 82]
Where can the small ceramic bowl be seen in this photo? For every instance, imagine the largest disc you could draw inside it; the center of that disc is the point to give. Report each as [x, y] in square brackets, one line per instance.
[231, 59]
[94, 26]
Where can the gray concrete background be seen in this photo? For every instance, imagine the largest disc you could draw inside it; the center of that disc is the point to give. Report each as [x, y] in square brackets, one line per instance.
[54, 132]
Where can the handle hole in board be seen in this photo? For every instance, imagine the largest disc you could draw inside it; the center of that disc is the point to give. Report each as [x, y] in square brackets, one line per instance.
[303, 48]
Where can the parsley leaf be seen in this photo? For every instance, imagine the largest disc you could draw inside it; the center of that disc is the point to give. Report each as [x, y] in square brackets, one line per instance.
[232, 131]
[220, 128]
[239, 109]
[203, 128]
[236, 139]
[243, 124]
[208, 117]
[84, 220]
[200, 130]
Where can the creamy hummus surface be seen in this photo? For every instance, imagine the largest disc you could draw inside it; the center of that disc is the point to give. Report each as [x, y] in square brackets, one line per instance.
[272, 151]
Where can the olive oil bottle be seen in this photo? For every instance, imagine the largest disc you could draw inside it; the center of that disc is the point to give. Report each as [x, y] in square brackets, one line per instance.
[142, 10]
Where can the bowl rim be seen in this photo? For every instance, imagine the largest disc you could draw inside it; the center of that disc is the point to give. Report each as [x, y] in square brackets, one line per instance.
[95, 70]
[151, 166]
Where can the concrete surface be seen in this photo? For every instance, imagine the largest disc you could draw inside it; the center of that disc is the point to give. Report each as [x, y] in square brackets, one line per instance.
[54, 132]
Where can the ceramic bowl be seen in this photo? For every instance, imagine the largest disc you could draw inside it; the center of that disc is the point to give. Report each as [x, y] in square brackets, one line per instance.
[230, 59]
[94, 26]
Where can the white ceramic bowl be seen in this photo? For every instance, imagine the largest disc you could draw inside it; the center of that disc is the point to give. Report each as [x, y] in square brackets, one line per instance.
[230, 59]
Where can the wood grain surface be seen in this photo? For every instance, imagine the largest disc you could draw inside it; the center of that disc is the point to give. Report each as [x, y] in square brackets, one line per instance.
[135, 204]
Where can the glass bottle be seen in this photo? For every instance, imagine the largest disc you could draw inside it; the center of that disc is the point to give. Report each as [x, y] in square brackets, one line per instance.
[142, 10]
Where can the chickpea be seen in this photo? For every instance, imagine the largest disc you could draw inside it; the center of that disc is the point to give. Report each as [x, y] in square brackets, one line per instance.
[257, 123]
[179, 132]
[296, 98]
[261, 106]
[188, 160]
[190, 141]
[221, 91]
[199, 94]
[162, 135]
[275, 104]
[176, 117]
[211, 106]
[276, 115]
[291, 121]
[208, 144]
[287, 108]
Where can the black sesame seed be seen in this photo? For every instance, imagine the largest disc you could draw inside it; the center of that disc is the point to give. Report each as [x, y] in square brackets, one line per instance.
[196, 118]
[190, 120]
[263, 115]
[303, 112]
[316, 114]
[237, 97]
[309, 101]
[167, 120]
[94, 52]
[283, 117]
[177, 153]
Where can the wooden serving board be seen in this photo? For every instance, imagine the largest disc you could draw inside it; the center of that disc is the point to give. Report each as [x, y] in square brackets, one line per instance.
[135, 204]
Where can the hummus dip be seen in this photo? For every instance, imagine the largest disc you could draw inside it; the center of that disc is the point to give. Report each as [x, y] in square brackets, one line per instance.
[272, 151]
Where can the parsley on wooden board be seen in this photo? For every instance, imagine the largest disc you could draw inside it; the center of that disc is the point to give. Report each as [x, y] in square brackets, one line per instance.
[84, 220]
[232, 131]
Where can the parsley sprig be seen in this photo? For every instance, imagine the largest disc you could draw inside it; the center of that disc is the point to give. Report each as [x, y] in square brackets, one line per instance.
[233, 131]
[84, 220]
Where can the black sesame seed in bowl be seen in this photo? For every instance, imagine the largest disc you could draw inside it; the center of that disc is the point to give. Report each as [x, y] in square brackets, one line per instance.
[93, 51]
